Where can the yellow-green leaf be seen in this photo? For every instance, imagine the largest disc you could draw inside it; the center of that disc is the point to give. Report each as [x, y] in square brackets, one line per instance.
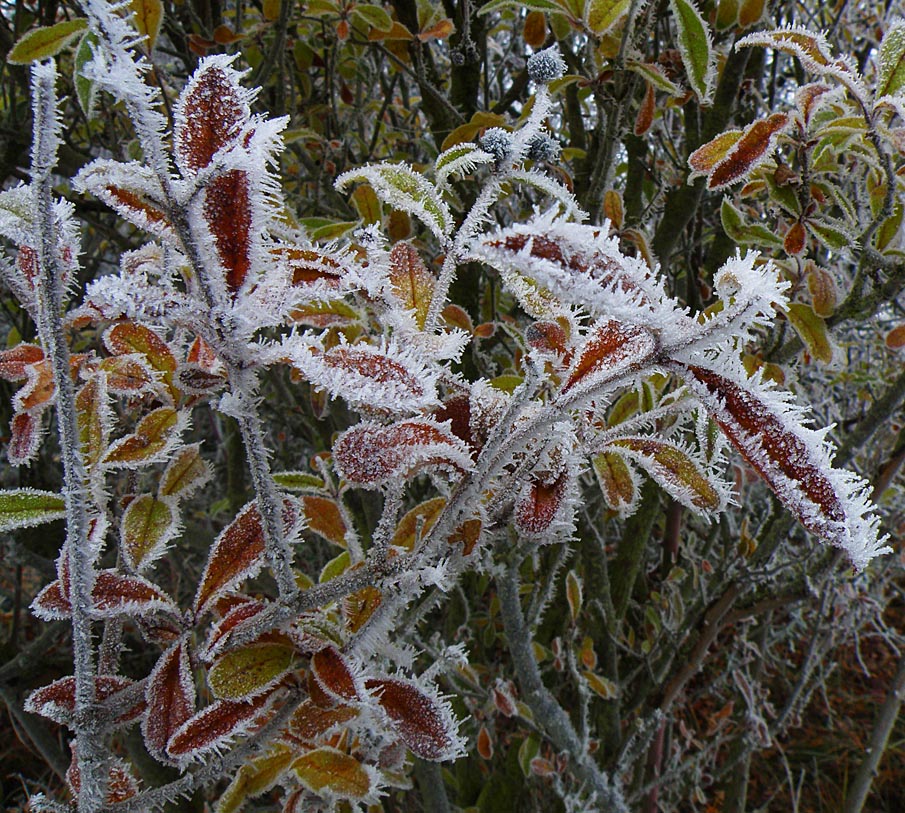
[335, 567]
[147, 525]
[332, 770]
[151, 438]
[45, 42]
[891, 60]
[602, 15]
[600, 685]
[366, 203]
[245, 672]
[425, 514]
[616, 481]
[411, 282]
[255, 778]
[573, 594]
[184, 473]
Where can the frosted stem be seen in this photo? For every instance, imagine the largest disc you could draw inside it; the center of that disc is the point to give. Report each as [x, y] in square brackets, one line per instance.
[49, 290]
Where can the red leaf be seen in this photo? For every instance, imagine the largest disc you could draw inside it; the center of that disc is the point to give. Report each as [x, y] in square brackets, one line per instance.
[420, 721]
[218, 638]
[369, 454]
[56, 701]
[214, 726]
[237, 553]
[116, 594]
[38, 389]
[25, 438]
[772, 449]
[227, 209]
[309, 266]
[121, 783]
[13, 362]
[209, 115]
[750, 150]
[170, 696]
[645, 117]
[52, 604]
[333, 674]
[611, 349]
[536, 510]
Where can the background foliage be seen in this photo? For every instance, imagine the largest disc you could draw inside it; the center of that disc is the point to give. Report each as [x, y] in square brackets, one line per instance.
[731, 665]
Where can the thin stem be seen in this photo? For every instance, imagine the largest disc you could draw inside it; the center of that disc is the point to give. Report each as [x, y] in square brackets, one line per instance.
[49, 289]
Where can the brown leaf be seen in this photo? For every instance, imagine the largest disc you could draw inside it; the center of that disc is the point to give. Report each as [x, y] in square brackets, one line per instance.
[227, 210]
[210, 112]
[333, 674]
[645, 117]
[25, 438]
[310, 722]
[325, 519]
[216, 725]
[748, 152]
[154, 433]
[56, 701]
[536, 510]
[327, 769]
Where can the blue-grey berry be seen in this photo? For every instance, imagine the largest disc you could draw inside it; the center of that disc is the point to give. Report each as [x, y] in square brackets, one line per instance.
[543, 148]
[498, 142]
[546, 65]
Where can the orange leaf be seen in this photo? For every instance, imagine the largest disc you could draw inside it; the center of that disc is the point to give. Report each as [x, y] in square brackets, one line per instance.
[538, 507]
[309, 722]
[748, 152]
[151, 438]
[437, 31]
[410, 281]
[56, 701]
[645, 117]
[214, 726]
[333, 674]
[426, 514]
[14, 362]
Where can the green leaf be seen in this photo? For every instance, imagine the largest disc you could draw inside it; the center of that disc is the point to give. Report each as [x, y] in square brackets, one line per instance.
[832, 235]
[45, 42]
[531, 5]
[298, 481]
[695, 47]
[366, 204]
[812, 330]
[740, 231]
[891, 61]
[27, 507]
[85, 89]
[602, 15]
[147, 525]
[374, 16]
[655, 76]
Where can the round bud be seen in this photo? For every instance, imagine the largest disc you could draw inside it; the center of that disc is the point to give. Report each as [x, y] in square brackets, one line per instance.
[498, 142]
[543, 148]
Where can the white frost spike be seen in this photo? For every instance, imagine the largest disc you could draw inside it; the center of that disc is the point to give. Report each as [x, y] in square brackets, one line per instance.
[383, 377]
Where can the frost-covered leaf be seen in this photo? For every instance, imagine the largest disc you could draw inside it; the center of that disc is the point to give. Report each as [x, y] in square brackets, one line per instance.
[25, 438]
[210, 113]
[52, 603]
[822, 287]
[298, 481]
[45, 42]
[740, 231]
[399, 186]
[460, 159]
[170, 697]
[812, 49]
[410, 281]
[618, 482]
[611, 350]
[377, 377]
[27, 507]
[118, 594]
[793, 459]
[424, 722]
[422, 517]
[215, 726]
[581, 265]
[185, 473]
[125, 338]
[234, 617]
[147, 525]
[130, 189]
[56, 701]
[602, 15]
[256, 777]
[152, 441]
[371, 455]
[85, 88]
[94, 417]
[228, 211]
[677, 470]
[237, 553]
[696, 48]
[540, 503]
[891, 61]
[324, 518]
[334, 675]
[326, 769]
[14, 363]
[121, 783]
[740, 156]
[247, 671]
[128, 375]
[360, 606]
[654, 75]
[311, 722]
